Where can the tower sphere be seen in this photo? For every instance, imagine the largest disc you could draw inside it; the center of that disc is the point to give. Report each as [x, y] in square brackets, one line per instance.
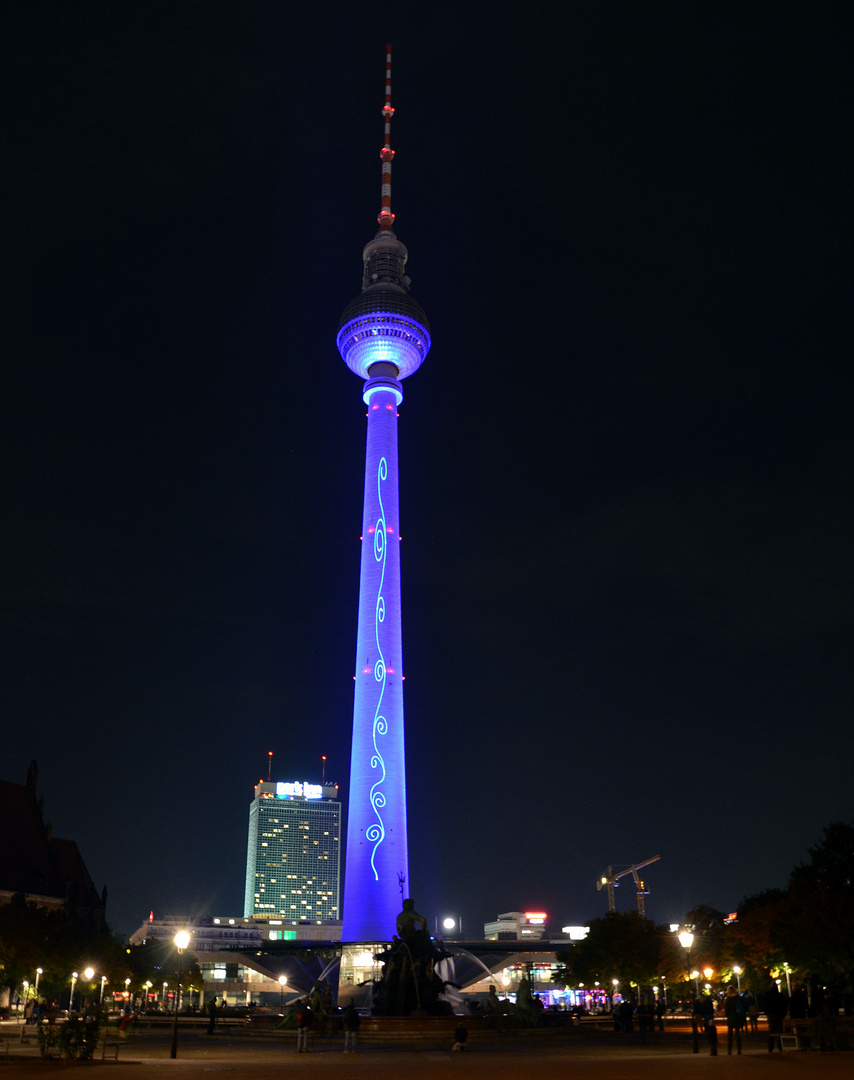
[384, 324]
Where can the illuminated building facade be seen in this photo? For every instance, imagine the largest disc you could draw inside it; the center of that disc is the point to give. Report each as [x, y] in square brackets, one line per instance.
[293, 855]
[383, 337]
[516, 926]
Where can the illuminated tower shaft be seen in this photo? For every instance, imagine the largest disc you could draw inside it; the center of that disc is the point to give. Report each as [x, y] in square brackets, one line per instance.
[383, 337]
[377, 850]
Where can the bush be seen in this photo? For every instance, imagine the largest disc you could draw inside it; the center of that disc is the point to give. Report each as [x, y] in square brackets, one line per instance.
[74, 1038]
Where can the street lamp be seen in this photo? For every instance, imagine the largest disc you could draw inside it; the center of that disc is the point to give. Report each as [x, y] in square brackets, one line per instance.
[73, 984]
[89, 975]
[182, 940]
[787, 970]
[148, 987]
[26, 995]
[686, 940]
[737, 972]
[39, 973]
[282, 981]
[103, 984]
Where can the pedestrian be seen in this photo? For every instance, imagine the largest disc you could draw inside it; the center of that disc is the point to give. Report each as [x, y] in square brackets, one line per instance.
[752, 1016]
[776, 1007]
[460, 1037]
[303, 1026]
[350, 1024]
[734, 1012]
[660, 1009]
[212, 1015]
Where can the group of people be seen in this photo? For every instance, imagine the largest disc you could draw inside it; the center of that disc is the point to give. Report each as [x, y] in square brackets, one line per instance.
[350, 1021]
[741, 1013]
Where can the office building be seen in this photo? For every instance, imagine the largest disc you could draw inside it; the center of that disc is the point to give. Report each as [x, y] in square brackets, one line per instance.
[293, 853]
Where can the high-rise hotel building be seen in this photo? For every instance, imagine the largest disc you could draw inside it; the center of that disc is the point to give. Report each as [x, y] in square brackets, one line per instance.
[293, 854]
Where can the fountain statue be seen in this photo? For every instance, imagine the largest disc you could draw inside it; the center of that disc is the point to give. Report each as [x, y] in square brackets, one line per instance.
[409, 984]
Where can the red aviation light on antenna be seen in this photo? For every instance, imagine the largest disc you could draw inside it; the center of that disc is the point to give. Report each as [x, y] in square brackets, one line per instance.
[386, 217]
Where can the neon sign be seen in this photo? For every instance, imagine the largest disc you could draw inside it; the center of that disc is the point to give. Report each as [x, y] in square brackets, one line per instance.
[299, 791]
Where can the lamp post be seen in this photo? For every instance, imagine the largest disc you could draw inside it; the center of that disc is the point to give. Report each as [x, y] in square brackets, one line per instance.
[23, 1008]
[148, 987]
[787, 970]
[282, 981]
[73, 984]
[182, 940]
[39, 973]
[89, 975]
[737, 972]
[686, 940]
[103, 984]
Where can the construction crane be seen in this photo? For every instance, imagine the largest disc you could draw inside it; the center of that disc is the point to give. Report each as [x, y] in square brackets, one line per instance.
[610, 880]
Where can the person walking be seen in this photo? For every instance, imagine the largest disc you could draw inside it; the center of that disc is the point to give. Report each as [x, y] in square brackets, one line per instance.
[350, 1024]
[734, 1012]
[303, 1027]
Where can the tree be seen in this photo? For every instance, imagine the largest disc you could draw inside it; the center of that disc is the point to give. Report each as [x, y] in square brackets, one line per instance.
[34, 937]
[832, 861]
[619, 946]
[816, 936]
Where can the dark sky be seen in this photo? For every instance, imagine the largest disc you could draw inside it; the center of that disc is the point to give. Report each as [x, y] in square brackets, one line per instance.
[626, 463]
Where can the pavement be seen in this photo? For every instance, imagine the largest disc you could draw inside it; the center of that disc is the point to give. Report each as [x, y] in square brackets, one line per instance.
[514, 1056]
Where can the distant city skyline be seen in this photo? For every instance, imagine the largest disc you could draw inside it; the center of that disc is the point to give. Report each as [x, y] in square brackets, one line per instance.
[626, 463]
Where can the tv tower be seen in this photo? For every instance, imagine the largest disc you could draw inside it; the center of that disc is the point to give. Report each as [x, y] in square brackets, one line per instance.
[383, 337]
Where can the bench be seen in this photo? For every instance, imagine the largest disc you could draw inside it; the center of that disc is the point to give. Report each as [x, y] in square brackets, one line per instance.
[794, 1034]
[111, 1045]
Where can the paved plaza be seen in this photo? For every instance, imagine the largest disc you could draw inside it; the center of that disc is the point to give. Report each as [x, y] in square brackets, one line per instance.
[513, 1056]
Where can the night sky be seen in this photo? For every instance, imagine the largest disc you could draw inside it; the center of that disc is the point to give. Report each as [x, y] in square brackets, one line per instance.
[625, 464]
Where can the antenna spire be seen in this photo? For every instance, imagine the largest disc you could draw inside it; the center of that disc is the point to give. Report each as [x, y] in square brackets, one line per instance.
[386, 217]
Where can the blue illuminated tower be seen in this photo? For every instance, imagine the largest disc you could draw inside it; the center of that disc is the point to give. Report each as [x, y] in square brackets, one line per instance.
[383, 336]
